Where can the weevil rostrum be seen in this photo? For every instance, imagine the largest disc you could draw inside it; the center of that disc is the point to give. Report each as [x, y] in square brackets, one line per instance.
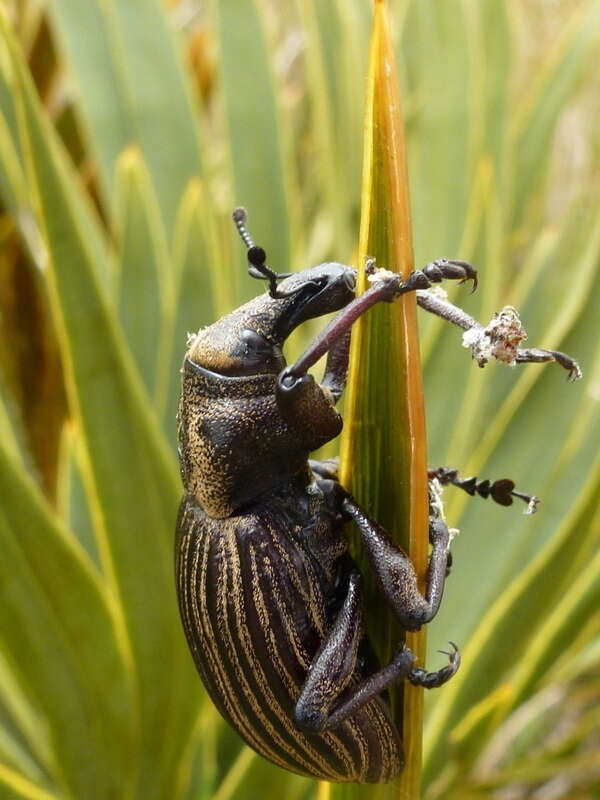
[269, 596]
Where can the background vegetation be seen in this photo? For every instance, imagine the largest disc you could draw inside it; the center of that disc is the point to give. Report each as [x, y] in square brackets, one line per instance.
[129, 130]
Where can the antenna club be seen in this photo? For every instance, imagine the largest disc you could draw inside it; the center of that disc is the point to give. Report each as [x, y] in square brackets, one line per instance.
[239, 215]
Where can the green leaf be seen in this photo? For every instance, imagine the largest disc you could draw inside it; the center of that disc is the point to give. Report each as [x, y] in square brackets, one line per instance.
[73, 502]
[443, 95]
[504, 634]
[383, 459]
[145, 275]
[62, 639]
[540, 108]
[24, 741]
[578, 605]
[16, 787]
[333, 163]
[10, 429]
[13, 185]
[200, 276]
[12, 181]
[130, 474]
[261, 174]
[132, 90]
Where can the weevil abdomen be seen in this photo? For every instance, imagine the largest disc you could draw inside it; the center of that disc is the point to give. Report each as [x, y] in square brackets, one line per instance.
[255, 607]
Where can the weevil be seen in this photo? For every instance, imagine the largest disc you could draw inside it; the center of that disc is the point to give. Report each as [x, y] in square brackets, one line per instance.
[269, 595]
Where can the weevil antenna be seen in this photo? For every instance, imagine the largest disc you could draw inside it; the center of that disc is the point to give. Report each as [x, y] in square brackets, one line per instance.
[240, 217]
[257, 257]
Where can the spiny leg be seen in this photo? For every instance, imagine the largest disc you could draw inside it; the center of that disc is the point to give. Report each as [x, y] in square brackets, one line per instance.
[501, 491]
[334, 663]
[499, 339]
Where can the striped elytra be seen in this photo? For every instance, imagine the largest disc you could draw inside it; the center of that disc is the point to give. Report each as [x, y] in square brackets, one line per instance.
[256, 602]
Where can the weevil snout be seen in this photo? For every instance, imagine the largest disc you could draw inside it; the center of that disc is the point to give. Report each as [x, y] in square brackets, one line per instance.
[249, 340]
[311, 294]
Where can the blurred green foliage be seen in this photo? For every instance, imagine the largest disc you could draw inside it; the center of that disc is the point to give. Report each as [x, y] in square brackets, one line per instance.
[129, 129]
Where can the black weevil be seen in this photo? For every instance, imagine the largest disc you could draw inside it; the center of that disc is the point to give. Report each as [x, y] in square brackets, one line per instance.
[269, 596]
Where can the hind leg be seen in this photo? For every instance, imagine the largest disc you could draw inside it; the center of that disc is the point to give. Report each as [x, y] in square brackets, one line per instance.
[335, 664]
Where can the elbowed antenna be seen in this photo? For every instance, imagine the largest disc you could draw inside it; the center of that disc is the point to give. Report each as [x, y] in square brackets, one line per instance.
[257, 257]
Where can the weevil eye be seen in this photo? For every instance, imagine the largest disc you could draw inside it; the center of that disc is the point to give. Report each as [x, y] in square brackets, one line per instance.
[255, 344]
[257, 354]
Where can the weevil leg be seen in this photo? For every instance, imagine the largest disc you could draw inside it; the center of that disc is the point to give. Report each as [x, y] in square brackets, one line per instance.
[533, 355]
[336, 368]
[333, 664]
[394, 571]
[332, 669]
[494, 342]
[501, 491]
[431, 680]
[399, 667]
[385, 289]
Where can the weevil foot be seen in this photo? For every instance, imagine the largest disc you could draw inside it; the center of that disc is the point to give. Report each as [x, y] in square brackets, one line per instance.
[436, 271]
[502, 491]
[431, 680]
[533, 355]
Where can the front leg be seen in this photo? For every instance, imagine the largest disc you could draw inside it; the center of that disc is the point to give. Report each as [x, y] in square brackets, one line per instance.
[336, 369]
[335, 338]
[499, 340]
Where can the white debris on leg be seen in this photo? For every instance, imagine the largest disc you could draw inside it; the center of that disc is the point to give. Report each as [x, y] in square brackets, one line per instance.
[500, 339]
[436, 506]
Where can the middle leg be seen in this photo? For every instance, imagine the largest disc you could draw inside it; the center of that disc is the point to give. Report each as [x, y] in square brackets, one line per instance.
[392, 567]
[335, 338]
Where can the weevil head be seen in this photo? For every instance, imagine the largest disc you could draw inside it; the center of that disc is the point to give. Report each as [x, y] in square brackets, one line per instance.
[235, 441]
[249, 341]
